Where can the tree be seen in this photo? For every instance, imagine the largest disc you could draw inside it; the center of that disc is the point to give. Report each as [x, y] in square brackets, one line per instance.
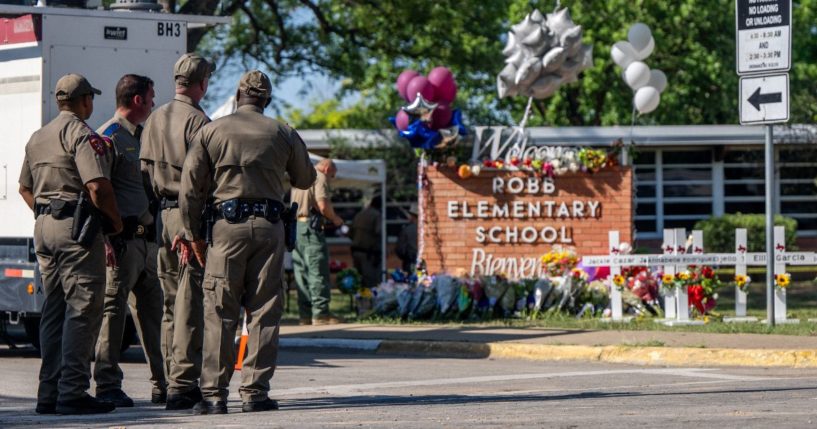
[366, 43]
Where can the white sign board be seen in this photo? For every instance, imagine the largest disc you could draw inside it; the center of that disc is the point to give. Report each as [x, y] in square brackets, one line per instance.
[764, 99]
[763, 36]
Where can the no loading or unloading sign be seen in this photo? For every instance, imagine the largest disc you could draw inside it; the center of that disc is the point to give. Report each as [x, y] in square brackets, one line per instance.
[763, 36]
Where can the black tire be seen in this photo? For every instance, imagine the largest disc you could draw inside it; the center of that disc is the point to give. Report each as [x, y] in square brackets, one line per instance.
[32, 328]
[129, 336]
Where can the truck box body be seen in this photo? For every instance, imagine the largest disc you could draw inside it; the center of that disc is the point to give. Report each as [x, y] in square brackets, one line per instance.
[38, 45]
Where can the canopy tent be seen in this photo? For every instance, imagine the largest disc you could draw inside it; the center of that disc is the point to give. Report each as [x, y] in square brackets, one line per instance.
[359, 173]
[350, 174]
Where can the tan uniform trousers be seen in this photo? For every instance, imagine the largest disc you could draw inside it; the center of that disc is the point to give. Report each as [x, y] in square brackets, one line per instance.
[132, 283]
[74, 282]
[183, 322]
[244, 269]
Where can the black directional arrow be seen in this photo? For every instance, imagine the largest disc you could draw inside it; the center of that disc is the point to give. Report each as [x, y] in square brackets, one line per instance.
[757, 98]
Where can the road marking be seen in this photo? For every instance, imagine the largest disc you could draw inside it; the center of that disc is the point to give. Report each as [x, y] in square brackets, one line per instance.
[350, 389]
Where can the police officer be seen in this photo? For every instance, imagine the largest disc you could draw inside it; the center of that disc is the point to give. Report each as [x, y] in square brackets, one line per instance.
[165, 141]
[133, 280]
[64, 160]
[242, 157]
[365, 232]
[310, 259]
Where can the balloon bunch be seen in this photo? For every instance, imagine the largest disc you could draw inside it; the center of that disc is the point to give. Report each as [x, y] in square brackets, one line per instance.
[428, 121]
[630, 55]
[542, 54]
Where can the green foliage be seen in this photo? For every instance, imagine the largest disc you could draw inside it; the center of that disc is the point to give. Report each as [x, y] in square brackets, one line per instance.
[719, 232]
[365, 45]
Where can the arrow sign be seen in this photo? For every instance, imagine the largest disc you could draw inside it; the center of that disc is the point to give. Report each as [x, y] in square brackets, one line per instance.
[764, 99]
[757, 99]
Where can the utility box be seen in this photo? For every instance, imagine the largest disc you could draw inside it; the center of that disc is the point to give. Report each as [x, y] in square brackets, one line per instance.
[38, 45]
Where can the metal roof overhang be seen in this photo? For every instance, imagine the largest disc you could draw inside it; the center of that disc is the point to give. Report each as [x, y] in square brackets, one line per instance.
[663, 136]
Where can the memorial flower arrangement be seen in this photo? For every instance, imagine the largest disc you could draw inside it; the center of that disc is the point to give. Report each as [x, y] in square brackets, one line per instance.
[348, 281]
[552, 162]
[619, 281]
[559, 261]
[702, 294]
[782, 280]
[742, 281]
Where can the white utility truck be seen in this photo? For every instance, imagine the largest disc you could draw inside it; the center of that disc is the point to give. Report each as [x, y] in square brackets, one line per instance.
[38, 45]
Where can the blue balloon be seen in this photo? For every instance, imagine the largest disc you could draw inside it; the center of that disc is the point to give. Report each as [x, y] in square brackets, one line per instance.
[420, 136]
[398, 276]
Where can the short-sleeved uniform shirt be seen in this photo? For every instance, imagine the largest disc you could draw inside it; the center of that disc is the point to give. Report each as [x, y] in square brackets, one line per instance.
[166, 140]
[243, 155]
[308, 198]
[62, 156]
[126, 173]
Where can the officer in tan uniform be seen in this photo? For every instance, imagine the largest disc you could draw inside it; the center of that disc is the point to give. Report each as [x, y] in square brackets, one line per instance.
[239, 161]
[310, 259]
[66, 161]
[365, 233]
[165, 141]
[133, 280]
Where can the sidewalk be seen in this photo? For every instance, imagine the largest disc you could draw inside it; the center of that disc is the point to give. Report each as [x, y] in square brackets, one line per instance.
[664, 348]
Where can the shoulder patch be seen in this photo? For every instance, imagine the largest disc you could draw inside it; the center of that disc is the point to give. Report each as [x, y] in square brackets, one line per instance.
[100, 145]
[111, 129]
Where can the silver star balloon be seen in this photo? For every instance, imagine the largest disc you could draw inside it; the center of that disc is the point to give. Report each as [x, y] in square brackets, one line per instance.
[541, 54]
[420, 106]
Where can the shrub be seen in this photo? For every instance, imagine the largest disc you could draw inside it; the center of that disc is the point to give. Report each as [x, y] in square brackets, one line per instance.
[719, 232]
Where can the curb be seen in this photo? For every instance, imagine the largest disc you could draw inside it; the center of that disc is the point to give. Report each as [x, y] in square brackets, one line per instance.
[653, 356]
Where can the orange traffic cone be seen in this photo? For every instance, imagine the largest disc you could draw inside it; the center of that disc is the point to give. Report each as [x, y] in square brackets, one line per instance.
[242, 345]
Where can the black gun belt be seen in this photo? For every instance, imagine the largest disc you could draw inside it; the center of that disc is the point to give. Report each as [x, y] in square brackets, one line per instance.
[238, 210]
[60, 209]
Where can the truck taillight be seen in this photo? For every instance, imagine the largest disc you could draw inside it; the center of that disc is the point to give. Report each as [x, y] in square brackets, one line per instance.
[18, 273]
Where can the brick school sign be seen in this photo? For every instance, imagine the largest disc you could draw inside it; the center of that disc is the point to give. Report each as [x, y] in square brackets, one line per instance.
[502, 222]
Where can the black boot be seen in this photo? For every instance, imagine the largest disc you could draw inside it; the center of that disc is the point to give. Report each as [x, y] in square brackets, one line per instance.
[265, 405]
[210, 407]
[183, 401]
[158, 395]
[46, 408]
[117, 397]
[84, 405]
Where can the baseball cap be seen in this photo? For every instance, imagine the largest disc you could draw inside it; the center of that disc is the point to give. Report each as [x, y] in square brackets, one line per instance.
[192, 68]
[72, 85]
[256, 84]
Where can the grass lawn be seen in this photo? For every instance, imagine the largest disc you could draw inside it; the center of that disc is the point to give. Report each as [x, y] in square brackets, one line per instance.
[801, 302]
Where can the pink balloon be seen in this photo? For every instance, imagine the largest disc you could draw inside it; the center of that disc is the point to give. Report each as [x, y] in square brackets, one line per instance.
[403, 80]
[441, 117]
[402, 120]
[444, 84]
[419, 84]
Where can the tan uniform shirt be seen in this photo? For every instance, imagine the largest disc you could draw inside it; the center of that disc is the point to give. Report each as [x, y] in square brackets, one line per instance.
[62, 157]
[308, 198]
[166, 140]
[365, 230]
[243, 155]
[126, 174]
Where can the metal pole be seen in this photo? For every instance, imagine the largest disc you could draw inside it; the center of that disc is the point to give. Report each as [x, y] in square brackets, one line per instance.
[769, 226]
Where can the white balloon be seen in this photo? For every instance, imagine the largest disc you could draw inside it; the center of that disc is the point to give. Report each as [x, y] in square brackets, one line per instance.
[554, 59]
[646, 99]
[623, 54]
[524, 28]
[637, 75]
[505, 89]
[516, 59]
[545, 86]
[646, 52]
[658, 80]
[639, 36]
[560, 21]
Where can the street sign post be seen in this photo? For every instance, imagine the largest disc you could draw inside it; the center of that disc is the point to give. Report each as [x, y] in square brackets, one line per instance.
[763, 36]
[764, 99]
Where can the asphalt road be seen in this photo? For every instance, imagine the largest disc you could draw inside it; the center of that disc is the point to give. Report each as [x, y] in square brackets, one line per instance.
[322, 388]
